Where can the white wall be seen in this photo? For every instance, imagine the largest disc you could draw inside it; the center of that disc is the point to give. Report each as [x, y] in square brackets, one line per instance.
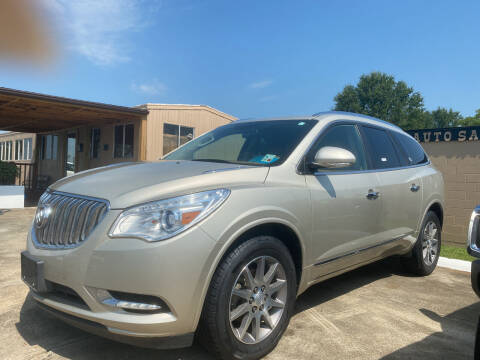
[12, 197]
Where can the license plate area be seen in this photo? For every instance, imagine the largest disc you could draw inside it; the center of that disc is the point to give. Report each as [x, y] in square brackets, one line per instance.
[33, 272]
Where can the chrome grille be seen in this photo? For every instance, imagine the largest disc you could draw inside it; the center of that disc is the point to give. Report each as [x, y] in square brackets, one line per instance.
[65, 220]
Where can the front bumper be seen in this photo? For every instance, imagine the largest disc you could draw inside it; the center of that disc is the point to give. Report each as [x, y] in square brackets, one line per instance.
[163, 343]
[174, 270]
[473, 249]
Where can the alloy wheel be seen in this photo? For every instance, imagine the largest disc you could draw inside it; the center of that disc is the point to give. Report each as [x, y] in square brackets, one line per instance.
[258, 299]
[430, 243]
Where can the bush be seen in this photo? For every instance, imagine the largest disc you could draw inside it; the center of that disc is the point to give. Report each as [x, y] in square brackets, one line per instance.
[8, 173]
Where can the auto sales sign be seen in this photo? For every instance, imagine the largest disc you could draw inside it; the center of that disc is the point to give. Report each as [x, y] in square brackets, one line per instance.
[460, 134]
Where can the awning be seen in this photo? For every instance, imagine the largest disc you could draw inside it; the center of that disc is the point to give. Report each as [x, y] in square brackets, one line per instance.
[30, 112]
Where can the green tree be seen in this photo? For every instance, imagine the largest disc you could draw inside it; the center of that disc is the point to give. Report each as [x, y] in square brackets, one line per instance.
[471, 120]
[442, 118]
[378, 94]
[8, 173]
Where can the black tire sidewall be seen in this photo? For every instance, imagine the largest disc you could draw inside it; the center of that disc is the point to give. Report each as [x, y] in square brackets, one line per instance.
[418, 253]
[253, 248]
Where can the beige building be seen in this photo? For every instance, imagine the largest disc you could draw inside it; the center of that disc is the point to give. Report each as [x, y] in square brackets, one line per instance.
[456, 153]
[18, 147]
[69, 136]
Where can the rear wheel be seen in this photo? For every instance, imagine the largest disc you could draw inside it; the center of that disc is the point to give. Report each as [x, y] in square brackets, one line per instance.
[426, 250]
[250, 300]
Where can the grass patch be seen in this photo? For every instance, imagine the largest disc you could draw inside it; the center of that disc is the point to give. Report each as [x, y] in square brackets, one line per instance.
[455, 252]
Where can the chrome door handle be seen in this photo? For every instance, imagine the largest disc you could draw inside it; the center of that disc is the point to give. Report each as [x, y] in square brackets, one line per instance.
[372, 195]
[414, 188]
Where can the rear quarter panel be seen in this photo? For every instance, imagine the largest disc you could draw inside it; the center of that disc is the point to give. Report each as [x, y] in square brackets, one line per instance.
[433, 190]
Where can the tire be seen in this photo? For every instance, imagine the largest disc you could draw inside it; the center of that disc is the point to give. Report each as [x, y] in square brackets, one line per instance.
[226, 339]
[418, 263]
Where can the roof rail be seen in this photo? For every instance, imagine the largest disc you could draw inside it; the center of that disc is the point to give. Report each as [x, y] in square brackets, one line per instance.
[355, 114]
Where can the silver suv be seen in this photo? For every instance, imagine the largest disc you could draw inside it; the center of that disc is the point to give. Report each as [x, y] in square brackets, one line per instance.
[222, 235]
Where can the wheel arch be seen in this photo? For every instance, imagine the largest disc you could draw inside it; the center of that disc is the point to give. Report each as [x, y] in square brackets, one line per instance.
[286, 234]
[279, 228]
[437, 208]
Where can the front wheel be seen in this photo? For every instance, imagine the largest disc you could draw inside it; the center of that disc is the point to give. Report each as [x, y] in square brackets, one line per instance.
[250, 300]
[426, 250]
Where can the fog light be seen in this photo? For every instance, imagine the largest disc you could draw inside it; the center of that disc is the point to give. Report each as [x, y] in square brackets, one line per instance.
[130, 305]
[137, 303]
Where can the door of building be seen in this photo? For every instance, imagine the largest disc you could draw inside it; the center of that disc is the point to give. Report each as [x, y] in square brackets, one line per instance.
[70, 155]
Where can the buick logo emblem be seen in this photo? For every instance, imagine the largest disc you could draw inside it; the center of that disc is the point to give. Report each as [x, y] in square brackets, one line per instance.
[41, 216]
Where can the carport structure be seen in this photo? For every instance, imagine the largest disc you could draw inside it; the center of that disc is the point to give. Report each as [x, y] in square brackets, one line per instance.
[72, 135]
[30, 112]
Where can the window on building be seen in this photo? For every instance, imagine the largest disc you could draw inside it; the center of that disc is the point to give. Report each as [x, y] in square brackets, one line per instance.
[94, 143]
[2, 146]
[19, 149]
[381, 148]
[48, 147]
[27, 149]
[124, 141]
[175, 136]
[8, 150]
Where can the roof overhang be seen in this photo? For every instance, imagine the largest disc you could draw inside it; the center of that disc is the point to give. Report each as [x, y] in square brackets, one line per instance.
[25, 111]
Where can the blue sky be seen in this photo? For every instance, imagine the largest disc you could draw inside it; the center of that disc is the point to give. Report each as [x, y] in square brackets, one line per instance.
[256, 58]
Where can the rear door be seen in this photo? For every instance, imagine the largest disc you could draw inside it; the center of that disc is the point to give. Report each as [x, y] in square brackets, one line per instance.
[413, 159]
[400, 184]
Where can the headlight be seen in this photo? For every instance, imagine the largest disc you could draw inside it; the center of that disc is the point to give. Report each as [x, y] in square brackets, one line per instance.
[160, 220]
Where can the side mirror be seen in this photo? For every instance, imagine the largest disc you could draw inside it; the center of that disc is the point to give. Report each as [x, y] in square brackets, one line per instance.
[333, 158]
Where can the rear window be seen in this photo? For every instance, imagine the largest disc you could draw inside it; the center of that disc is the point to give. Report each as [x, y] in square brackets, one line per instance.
[413, 150]
[381, 148]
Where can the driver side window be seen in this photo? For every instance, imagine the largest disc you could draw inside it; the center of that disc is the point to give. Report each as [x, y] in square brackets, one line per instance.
[346, 137]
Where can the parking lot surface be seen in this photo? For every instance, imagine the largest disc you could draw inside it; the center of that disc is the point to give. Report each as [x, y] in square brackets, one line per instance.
[376, 312]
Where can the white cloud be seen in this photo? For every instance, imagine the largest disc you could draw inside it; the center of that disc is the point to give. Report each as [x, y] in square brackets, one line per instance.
[260, 84]
[99, 29]
[153, 88]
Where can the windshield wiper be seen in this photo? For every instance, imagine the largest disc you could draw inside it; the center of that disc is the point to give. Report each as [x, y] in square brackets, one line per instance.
[231, 162]
[213, 160]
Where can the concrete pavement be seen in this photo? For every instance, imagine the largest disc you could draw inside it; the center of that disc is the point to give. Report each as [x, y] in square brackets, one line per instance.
[376, 312]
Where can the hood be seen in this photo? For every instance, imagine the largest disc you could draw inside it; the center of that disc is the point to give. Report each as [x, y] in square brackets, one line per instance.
[128, 184]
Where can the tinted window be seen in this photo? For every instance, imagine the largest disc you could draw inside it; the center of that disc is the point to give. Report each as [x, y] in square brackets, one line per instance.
[128, 147]
[170, 137]
[413, 150]
[257, 143]
[118, 142]
[186, 134]
[381, 148]
[94, 142]
[123, 141]
[345, 137]
[175, 136]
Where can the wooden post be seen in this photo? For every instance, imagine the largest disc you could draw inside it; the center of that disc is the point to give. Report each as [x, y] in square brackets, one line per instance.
[143, 139]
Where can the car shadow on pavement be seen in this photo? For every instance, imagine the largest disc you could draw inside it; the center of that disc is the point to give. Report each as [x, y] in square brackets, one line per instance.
[343, 284]
[456, 337]
[38, 328]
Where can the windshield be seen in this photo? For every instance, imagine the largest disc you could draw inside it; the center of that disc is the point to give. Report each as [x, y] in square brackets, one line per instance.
[262, 143]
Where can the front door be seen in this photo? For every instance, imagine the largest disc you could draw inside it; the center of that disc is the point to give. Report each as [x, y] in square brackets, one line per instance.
[345, 218]
[70, 155]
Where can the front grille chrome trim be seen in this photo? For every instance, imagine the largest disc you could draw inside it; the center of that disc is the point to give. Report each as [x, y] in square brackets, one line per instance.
[72, 219]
